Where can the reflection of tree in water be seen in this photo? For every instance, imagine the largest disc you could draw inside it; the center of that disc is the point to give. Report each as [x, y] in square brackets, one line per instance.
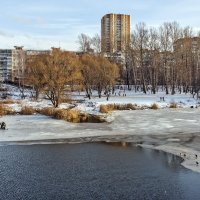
[168, 160]
[173, 161]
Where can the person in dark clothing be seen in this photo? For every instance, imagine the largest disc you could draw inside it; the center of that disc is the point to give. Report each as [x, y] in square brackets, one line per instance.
[3, 125]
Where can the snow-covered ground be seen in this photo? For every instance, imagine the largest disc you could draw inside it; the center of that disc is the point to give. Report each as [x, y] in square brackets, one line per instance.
[175, 131]
[139, 98]
[119, 97]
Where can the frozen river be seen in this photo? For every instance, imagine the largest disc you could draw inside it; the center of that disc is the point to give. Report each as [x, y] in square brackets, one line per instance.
[166, 123]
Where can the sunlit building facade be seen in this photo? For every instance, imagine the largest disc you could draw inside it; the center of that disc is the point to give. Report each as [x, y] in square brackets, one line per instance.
[115, 33]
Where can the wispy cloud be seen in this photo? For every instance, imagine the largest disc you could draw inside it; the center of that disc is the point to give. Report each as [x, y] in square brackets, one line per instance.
[5, 34]
[46, 23]
[27, 20]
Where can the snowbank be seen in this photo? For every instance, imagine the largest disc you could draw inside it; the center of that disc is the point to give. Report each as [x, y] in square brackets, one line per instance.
[190, 156]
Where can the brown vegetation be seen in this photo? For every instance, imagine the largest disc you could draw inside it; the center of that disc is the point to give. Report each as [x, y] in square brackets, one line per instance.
[154, 106]
[9, 101]
[47, 111]
[167, 55]
[99, 72]
[173, 105]
[110, 107]
[5, 110]
[71, 115]
[26, 110]
[51, 73]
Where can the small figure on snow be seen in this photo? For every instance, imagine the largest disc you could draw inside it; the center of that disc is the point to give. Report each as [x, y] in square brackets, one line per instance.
[107, 96]
[3, 125]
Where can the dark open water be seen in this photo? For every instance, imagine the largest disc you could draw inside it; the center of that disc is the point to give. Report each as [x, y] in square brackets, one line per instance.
[93, 171]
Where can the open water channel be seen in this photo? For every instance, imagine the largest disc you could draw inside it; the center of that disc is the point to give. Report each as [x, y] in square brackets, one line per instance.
[93, 171]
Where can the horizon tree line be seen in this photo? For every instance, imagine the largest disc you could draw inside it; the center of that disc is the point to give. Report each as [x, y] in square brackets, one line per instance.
[154, 58]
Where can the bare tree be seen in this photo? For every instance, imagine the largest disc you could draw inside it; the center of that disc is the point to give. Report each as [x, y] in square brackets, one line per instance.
[154, 58]
[84, 42]
[175, 34]
[139, 44]
[107, 75]
[89, 72]
[165, 45]
[35, 73]
[187, 32]
[96, 43]
[98, 72]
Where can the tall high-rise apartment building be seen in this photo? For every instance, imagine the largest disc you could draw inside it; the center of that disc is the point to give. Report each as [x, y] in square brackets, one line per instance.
[115, 33]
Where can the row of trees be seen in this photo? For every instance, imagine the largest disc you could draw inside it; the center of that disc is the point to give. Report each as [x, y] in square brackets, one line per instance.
[60, 71]
[154, 58]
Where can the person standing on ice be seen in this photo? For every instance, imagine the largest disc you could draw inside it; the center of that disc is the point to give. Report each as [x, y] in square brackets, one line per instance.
[3, 125]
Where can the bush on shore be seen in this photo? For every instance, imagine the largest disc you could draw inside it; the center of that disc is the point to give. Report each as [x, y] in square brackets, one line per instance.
[173, 105]
[154, 106]
[110, 107]
[5, 110]
[9, 101]
[26, 110]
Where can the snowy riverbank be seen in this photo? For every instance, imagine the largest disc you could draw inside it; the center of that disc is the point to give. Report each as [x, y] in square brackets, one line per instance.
[172, 130]
[188, 154]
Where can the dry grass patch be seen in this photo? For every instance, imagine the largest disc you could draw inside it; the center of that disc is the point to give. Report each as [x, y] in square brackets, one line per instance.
[5, 110]
[128, 106]
[73, 115]
[110, 107]
[106, 108]
[70, 115]
[173, 105]
[9, 101]
[60, 114]
[154, 106]
[47, 111]
[26, 110]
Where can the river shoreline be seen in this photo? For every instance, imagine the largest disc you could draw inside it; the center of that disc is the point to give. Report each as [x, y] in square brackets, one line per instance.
[172, 131]
[189, 160]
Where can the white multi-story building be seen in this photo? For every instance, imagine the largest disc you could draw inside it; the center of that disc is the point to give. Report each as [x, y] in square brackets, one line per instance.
[18, 63]
[5, 64]
[12, 62]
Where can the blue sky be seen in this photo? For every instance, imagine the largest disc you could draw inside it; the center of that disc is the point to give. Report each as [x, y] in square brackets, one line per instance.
[41, 24]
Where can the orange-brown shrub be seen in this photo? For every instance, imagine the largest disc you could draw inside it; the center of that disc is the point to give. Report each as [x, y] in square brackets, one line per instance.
[110, 107]
[47, 111]
[9, 101]
[173, 105]
[5, 110]
[154, 106]
[26, 110]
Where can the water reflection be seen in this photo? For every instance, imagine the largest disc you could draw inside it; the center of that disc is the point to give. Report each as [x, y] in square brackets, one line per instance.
[120, 144]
